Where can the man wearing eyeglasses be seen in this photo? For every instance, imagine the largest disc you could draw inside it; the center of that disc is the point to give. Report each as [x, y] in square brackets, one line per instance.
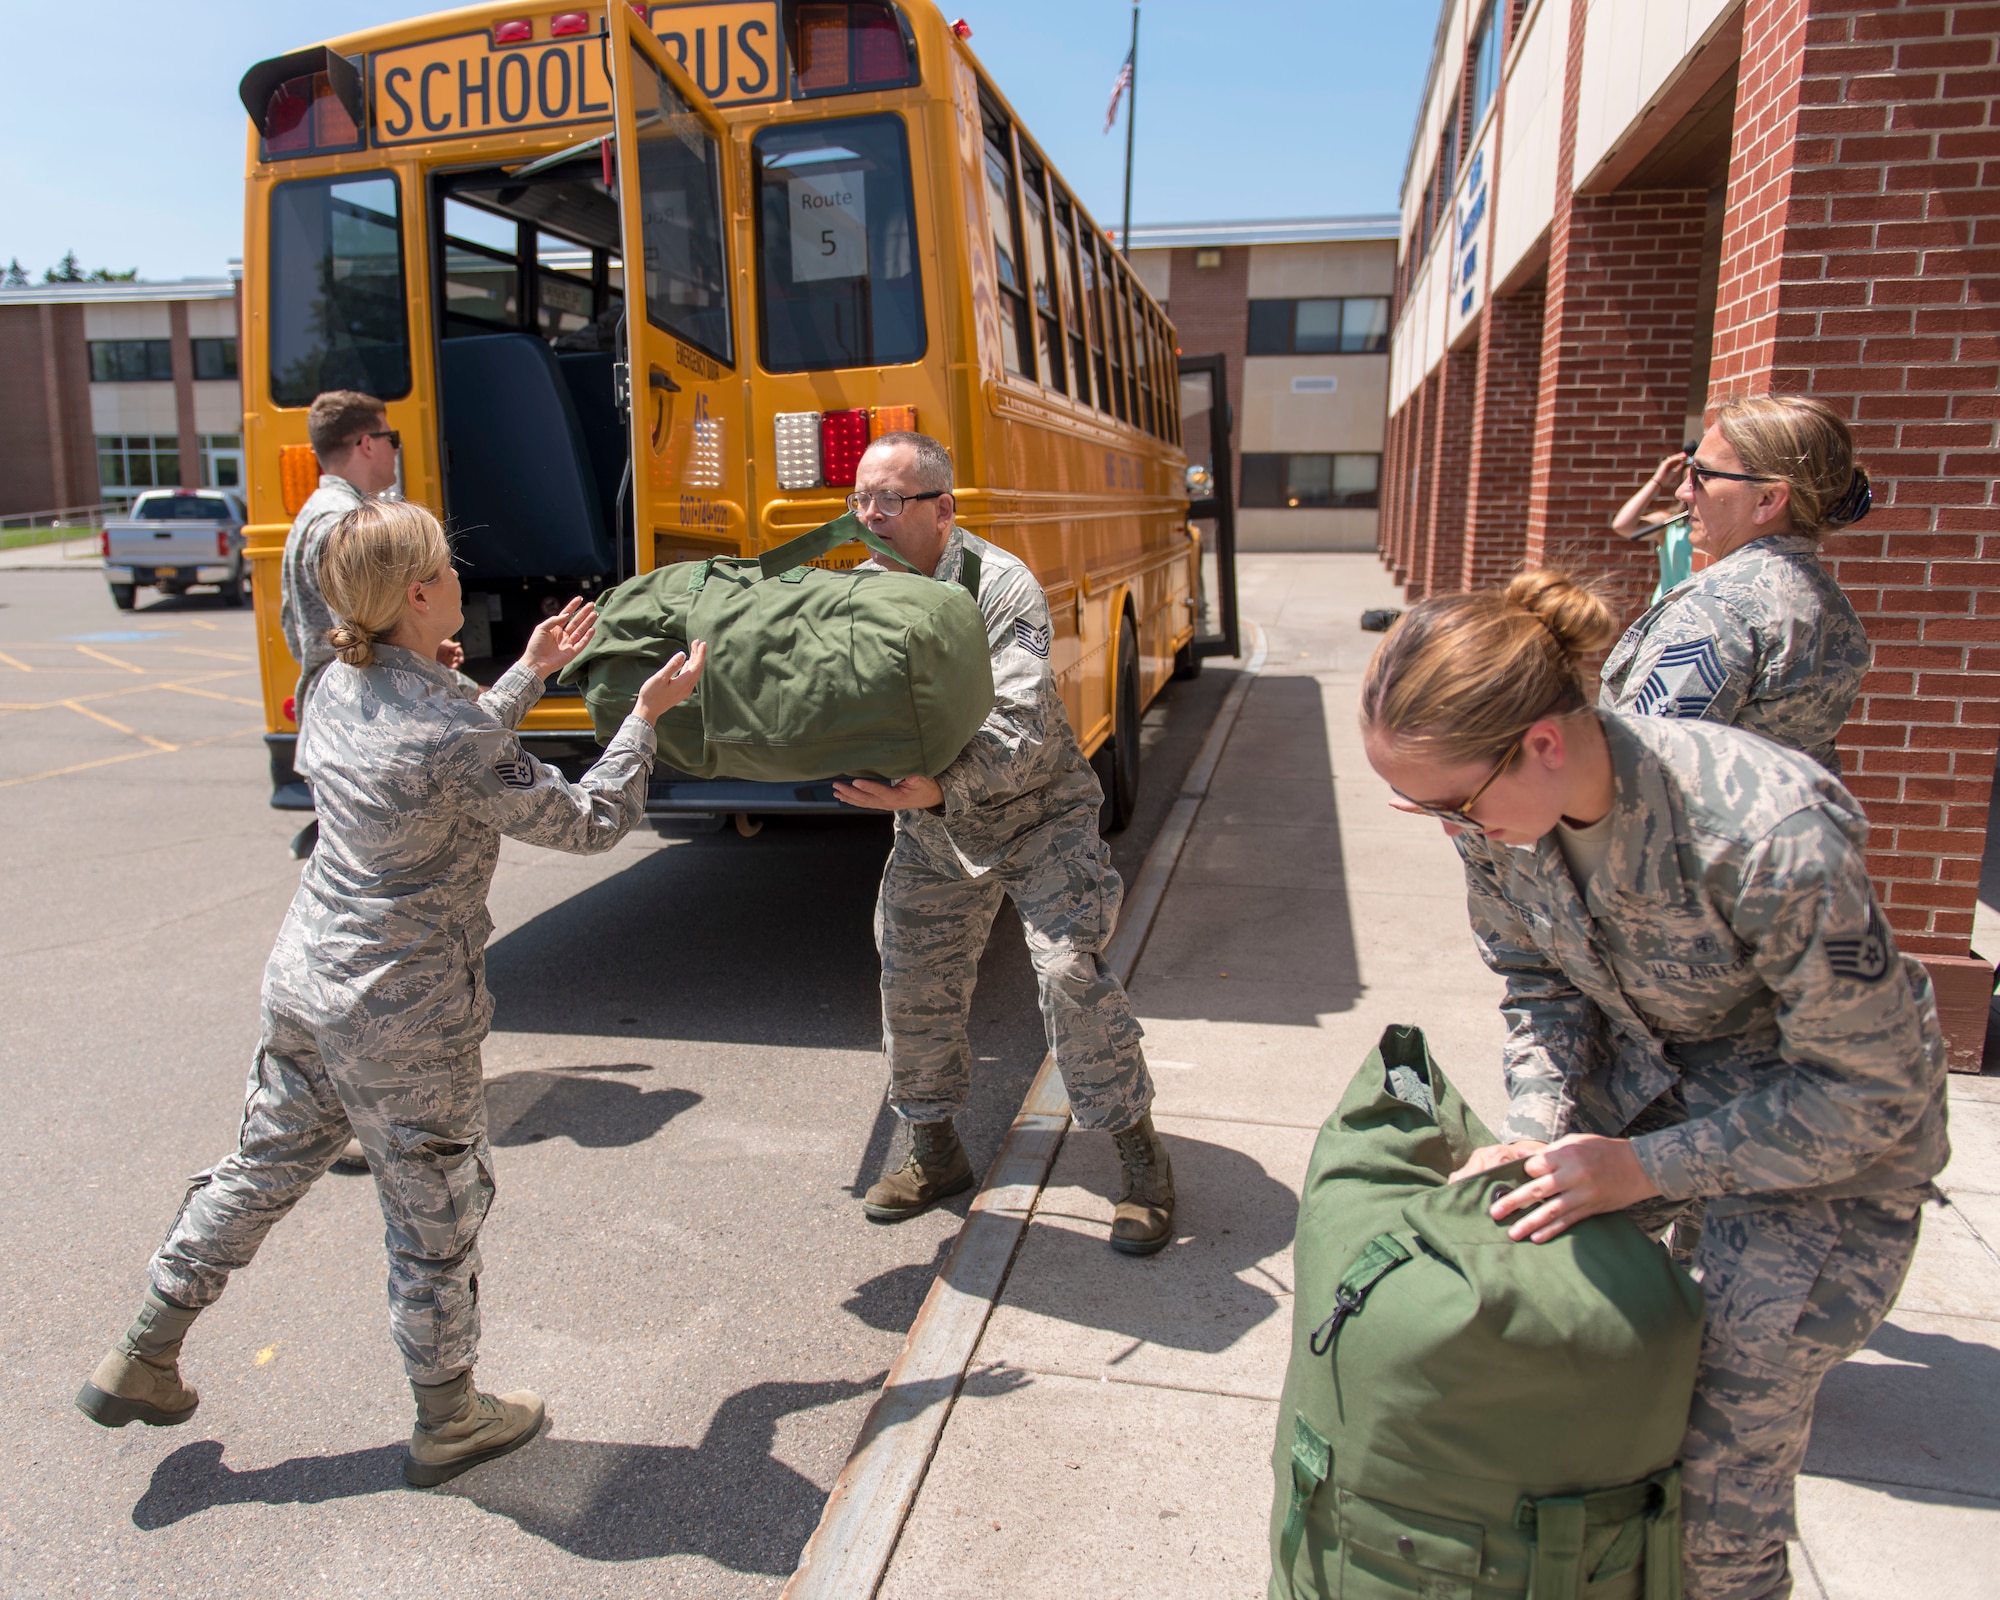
[1014, 816]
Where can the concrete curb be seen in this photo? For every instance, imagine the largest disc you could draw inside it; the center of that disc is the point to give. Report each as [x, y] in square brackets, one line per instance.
[849, 1552]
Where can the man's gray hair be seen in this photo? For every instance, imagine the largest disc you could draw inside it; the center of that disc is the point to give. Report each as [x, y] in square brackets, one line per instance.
[930, 462]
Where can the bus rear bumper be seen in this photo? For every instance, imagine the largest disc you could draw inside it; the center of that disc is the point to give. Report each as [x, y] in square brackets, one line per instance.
[669, 794]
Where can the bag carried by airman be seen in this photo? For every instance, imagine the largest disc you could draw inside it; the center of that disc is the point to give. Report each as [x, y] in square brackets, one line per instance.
[1465, 1417]
[811, 673]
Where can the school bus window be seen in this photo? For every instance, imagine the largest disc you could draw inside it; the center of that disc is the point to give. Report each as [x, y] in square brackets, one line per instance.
[1006, 251]
[1072, 315]
[1114, 333]
[565, 299]
[1142, 365]
[848, 46]
[1092, 309]
[481, 270]
[1035, 217]
[680, 216]
[336, 287]
[838, 284]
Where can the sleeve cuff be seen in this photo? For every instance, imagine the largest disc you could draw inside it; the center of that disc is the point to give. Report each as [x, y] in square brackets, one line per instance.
[636, 733]
[518, 683]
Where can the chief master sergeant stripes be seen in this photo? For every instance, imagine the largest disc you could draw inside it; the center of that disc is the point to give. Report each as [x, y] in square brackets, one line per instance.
[1014, 815]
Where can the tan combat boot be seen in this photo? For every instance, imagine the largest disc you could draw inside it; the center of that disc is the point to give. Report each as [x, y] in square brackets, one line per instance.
[1143, 1219]
[140, 1380]
[459, 1426]
[935, 1169]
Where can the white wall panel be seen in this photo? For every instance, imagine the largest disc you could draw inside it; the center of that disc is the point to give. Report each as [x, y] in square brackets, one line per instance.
[1303, 271]
[133, 408]
[1525, 196]
[1630, 50]
[218, 406]
[146, 320]
[212, 319]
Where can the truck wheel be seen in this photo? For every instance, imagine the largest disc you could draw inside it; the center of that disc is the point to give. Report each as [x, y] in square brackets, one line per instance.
[124, 595]
[233, 591]
[1117, 759]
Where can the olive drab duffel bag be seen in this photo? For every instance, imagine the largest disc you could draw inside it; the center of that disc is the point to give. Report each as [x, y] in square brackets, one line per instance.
[811, 673]
[1465, 1417]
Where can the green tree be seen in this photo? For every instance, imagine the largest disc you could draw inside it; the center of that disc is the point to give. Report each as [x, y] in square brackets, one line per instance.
[106, 275]
[17, 277]
[66, 270]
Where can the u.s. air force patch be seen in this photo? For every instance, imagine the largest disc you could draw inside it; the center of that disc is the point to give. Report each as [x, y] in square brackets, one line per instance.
[516, 771]
[1865, 958]
[1032, 639]
[1684, 681]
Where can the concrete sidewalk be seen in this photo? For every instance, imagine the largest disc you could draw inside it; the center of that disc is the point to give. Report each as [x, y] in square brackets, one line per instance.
[1114, 1432]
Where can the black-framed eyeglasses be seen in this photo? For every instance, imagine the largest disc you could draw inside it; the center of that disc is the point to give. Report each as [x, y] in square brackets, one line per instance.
[1460, 815]
[887, 501]
[1702, 475]
[395, 438]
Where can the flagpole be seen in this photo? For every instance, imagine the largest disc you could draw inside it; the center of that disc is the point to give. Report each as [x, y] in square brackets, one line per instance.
[1131, 116]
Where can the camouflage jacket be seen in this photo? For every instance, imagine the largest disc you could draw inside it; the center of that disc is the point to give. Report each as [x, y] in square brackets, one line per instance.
[1763, 639]
[415, 780]
[1731, 946]
[1024, 766]
[302, 608]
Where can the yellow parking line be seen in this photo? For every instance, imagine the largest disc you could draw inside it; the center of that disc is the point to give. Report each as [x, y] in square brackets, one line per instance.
[199, 623]
[18, 666]
[157, 744]
[206, 694]
[97, 716]
[190, 650]
[129, 755]
[101, 656]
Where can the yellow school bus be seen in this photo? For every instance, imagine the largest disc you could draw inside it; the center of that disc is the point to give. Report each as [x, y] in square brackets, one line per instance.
[638, 286]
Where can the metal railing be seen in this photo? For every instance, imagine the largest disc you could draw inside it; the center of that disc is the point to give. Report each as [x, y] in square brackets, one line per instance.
[72, 530]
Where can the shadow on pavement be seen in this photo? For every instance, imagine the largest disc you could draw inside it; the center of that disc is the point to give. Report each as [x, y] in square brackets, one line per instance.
[594, 1113]
[726, 1499]
[1257, 927]
[890, 1300]
[1920, 1421]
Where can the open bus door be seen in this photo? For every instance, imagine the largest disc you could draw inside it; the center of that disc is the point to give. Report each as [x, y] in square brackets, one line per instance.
[670, 168]
[1211, 469]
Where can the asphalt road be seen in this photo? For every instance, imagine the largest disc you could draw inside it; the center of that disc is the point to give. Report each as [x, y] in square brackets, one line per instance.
[686, 1095]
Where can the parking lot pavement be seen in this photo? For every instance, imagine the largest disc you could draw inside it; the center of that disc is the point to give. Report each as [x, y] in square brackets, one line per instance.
[686, 1100]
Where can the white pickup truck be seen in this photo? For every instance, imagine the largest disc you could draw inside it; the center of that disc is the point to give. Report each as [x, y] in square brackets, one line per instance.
[175, 539]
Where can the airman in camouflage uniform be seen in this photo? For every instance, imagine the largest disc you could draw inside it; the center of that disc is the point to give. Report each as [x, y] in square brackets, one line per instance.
[1017, 818]
[1763, 639]
[375, 1004]
[1727, 994]
[302, 610]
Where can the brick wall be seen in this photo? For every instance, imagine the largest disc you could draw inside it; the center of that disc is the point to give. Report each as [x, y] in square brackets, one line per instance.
[48, 457]
[1210, 307]
[1501, 449]
[1444, 516]
[1861, 264]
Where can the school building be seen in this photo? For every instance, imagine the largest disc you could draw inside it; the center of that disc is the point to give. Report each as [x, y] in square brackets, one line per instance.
[1301, 309]
[113, 388]
[1619, 211]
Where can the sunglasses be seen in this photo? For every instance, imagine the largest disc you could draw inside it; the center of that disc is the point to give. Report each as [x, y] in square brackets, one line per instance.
[1703, 476]
[395, 439]
[1460, 815]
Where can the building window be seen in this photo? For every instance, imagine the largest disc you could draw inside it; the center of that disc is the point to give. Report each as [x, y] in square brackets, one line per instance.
[1357, 325]
[222, 456]
[127, 463]
[131, 361]
[1207, 260]
[1485, 62]
[215, 358]
[1315, 481]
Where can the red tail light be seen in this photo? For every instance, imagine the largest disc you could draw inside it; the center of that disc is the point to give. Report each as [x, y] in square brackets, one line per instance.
[104, 543]
[519, 31]
[222, 542]
[565, 23]
[843, 437]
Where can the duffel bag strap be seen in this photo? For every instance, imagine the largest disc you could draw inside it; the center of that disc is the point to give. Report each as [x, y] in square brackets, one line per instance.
[844, 529]
[1650, 1510]
[1560, 1521]
[1379, 1257]
[1312, 1462]
[968, 572]
[1663, 1539]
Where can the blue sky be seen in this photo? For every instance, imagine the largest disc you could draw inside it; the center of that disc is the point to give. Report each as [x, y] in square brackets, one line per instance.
[1260, 108]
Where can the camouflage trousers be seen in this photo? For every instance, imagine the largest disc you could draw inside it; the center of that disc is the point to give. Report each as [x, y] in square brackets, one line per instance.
[931, 924]
[1794, 1287]
[422, 1123]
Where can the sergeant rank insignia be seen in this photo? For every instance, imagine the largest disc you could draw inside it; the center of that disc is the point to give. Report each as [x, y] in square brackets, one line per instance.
[1865, 958]
[1032, 639]
[517, 772]
[1684, 682]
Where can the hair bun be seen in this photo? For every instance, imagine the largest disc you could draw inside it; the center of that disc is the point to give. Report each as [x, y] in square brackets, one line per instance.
[1581, 622]
[352, 643]
[1851, 507]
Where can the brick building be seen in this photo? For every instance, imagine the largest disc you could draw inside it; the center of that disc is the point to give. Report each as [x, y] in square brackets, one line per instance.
[1618, 211]
[1301, 309]
[110, 388]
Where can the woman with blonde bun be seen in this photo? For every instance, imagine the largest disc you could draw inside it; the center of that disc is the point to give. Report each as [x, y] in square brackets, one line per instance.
[375, 1001]
[1761, 638]
[1703, 1002]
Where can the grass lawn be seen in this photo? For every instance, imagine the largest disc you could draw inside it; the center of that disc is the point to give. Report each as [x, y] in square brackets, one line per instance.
[23, 538]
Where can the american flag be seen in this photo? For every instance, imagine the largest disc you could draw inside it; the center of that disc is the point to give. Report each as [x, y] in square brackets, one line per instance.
[1117, 90]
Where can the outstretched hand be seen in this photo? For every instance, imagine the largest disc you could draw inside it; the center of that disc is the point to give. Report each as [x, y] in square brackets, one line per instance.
[916, 793]
[559, 640]
[672, 684]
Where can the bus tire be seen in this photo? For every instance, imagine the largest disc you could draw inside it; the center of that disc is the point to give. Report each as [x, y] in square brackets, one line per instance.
[1117, 759]
[124, 595]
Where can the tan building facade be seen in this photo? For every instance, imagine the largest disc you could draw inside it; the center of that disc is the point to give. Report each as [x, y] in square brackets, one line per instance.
[1301, 309]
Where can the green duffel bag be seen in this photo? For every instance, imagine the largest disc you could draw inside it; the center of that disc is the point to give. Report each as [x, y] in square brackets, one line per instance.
[811, 674]
[1465, 1417]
